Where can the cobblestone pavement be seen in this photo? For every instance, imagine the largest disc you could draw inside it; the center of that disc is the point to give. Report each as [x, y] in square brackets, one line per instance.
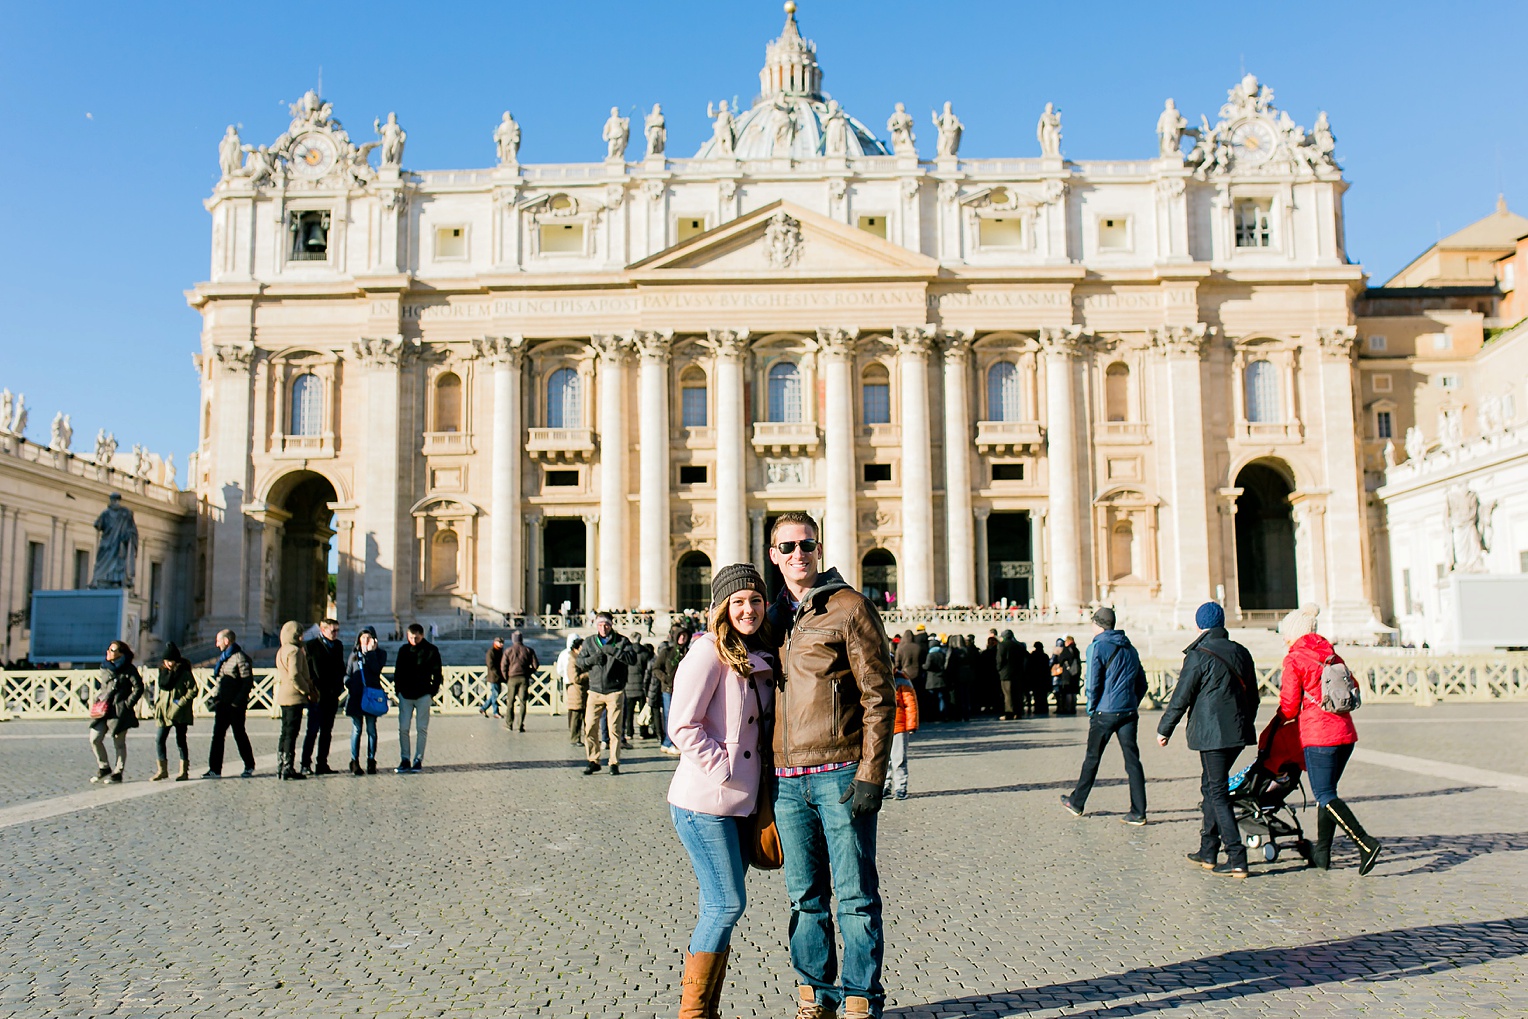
[502, 882]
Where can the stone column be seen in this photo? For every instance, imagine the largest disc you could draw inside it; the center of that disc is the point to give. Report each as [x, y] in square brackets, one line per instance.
[760, 553]
[983, 562]
[653, 587]
[503, 355]
[591, 560]
[1186, 482]
[959, 549]
[385, 575]
[614, 359]
[1060, 346]
[915, 581]
[533, 603]
[1037, 555]
[229, 486]
[730, 350]
[840, 526]
[1349, 585]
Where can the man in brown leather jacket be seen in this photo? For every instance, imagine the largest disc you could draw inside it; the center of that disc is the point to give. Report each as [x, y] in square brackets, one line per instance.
[833, 724]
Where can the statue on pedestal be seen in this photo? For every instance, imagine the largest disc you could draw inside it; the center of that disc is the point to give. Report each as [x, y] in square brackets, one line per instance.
[1415, 445]
[62, 433]
[230, 153]
[1468, 544]
[722, 128]
[900, 125]
[19, 422]
[7, 407]
[506, 138]
[393, 136]
[616, 134]
[1048, 131]
[950, 128]
[116, 560]
[1170, 131]
[259, 165]
[835, 131]
[105, 447]
[655, 126]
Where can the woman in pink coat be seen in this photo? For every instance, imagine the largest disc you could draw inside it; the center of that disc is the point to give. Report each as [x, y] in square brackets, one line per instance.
[723, 696]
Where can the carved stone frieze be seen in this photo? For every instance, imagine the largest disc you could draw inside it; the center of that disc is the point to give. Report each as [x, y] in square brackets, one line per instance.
[782, 240]
[234, 357]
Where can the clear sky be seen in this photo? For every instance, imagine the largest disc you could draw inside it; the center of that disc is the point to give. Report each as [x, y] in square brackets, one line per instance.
[110, 114]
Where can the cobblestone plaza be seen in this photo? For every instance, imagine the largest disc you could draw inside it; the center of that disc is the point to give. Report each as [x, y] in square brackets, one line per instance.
[502, 882]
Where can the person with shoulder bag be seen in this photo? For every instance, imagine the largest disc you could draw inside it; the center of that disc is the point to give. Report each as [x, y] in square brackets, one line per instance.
[366, 699]
[722, 702]
[174, 708]
[112, 712]
[1318, 692]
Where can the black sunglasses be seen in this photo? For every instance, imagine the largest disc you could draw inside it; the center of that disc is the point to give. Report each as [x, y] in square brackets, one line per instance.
[808, 545]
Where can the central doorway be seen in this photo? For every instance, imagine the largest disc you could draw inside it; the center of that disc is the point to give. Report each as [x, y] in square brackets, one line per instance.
[878, 578]
[692, 585]
[564, 550]
[1265, 541]
[302, 576]
[1010, 562]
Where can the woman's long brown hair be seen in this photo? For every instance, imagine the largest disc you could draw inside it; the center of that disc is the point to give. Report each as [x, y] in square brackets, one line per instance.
[731, 646]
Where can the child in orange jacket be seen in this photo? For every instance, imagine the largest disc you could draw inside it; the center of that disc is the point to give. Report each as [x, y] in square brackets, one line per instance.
[906, 723]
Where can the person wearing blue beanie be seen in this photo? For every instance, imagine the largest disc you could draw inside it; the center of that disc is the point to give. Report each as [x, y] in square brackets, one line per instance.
[1209, 615]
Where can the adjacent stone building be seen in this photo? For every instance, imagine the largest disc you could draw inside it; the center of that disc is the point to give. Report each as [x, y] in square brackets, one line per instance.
[1028, 379]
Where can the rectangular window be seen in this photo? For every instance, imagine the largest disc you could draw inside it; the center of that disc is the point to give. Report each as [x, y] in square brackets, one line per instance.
[156, 591]
[36, 567]
[1380, 383]
[1007, 472]
[1378, 344]
[1448, 381]
[1252, 224]
[81, 569]
[877, 397]
[1114, 233]
[1442, 341]
[451, 242]
[1383, 426]
[691, 474]
[873, 225]
[562, 479]
[1004, 232]
[692, 406]
[562, 238]
[310, 236]
[689, 226]
[877, 472]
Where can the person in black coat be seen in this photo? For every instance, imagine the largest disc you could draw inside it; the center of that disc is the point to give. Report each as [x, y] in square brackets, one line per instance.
[988, 696]
[363, 670]
[1038, 672]
[1217, 687]
[1010, 674]
[326, 666]
[120, 690]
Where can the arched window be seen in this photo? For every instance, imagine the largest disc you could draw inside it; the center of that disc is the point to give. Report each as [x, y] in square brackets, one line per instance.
[875, 395]
[1121, 551]
[307, 405]
[1263, 405]
[1004, 402]
[692, 398]
[443, 560]
[784, 392]
[1117, 392]
[878, 578]
[564, 400]
[693, 590]
[448, 403]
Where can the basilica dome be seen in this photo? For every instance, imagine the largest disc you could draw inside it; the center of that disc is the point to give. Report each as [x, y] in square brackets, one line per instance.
[792, 116]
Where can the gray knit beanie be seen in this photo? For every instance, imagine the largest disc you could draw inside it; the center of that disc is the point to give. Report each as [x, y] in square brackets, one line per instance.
[729, 580]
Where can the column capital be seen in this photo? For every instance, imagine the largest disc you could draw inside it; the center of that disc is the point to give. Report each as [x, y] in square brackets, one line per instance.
[982, 512]
[1338, 342]
[384, 351]
[591, 518]
[913, 341]
[534, 519]
[500, 351]
[234, 357]
[837, 342]
[1181, 341]
[756, 514]
[1061, 341]
[727, 344]
[653, 344]
[955, 344]
[611, 348]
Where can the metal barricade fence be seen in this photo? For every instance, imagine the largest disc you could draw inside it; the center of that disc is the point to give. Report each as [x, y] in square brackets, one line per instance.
[1393, 679]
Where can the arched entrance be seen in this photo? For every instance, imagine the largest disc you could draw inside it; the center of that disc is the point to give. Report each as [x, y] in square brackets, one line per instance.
[692, 585]
[302, 575]
[1265, 540]
[878, 578]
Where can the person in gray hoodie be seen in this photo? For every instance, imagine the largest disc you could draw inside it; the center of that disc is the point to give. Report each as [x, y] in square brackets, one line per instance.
[1116, 684]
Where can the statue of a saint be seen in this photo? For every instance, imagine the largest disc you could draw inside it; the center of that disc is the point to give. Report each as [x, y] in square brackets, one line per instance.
[722, 127]
[656, 128]
[259, 165]
[1170, 128]
[616, 134]
[782, 128]
[168, 477]
[230, 153]
[835, 130]
[7, 408]
[19, 422]
[1049, 132]
[949, 127]
[1324, 141]
[105, 447]
[116, 561]
[506, 138]
[61, 433]
[900, 125]
[1450, 430]
[1389, 453]
[1416, 446]
[1467, 546]
[393, 137]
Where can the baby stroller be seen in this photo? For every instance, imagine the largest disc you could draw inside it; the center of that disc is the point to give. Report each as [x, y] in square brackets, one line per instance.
[1258, 793]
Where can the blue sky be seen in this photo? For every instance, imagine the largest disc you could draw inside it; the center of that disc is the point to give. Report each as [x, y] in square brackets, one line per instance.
[110, 116]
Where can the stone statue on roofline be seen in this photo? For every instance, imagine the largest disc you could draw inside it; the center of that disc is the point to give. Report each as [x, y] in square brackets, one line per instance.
[1048, 131]
[616, 134]
[230, 153]
[835, 130]
[393, 137]
[105, 447]
[950, 129]
[1171, 127]
[655, 127]
[900, 126]
[723, 127]
[506, 139]
[62, 433]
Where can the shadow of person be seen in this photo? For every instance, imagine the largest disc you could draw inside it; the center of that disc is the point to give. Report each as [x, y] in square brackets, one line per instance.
[1381, 956]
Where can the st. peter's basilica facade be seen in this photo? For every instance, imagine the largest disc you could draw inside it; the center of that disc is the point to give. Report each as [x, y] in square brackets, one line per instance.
[1051, 382]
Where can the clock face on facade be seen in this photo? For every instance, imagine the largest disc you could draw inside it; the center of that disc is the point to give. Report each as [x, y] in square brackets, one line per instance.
[1253, 141]
[312, 155]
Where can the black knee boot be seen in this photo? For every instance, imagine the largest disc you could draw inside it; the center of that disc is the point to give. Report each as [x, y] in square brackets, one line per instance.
[1368, 846]
[1321, 849]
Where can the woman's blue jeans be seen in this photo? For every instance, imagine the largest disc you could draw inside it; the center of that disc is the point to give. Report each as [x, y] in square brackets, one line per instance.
[716, 853]
[355, 737]
[1324, 765]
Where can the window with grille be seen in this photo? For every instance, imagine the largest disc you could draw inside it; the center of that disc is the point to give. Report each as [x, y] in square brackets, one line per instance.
[1004, 400]
[1263, 393]
[875, 395]
[564, 400]
[784, 392]
[692, 399]
[1252, 225]
[307, 405]
[1383, 425]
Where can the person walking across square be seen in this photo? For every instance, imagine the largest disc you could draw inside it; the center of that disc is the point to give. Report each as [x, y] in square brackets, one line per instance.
[234, 674]
[606, 657]
[1116, 684]
[833, 728]
[518, 664]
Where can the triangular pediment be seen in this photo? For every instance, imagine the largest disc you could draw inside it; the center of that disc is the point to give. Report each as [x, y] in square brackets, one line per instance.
[785, 240]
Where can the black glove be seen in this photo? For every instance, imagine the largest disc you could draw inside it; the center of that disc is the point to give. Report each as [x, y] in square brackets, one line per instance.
[867, 798]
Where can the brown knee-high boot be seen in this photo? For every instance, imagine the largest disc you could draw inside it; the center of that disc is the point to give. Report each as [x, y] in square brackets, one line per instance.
[718, 983]
[701, 984]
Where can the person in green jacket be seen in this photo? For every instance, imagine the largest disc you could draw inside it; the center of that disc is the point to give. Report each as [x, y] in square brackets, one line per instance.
[174, 707]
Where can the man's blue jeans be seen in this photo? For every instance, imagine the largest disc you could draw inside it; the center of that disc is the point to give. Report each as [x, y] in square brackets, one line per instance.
[668, 700]
[829, 854]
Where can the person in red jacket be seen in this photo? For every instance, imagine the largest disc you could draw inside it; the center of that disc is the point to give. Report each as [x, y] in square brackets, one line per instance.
[1327, 737]
[906, 722]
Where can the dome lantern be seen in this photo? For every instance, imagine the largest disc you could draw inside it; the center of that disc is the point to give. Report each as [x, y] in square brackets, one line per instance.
[790, 63]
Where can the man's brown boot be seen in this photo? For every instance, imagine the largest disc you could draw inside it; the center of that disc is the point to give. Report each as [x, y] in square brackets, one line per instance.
[700, 983]
[856, 1008]
[807, 1007]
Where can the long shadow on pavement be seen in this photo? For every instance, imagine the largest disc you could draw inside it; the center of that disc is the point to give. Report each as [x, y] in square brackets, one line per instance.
[1368, 958]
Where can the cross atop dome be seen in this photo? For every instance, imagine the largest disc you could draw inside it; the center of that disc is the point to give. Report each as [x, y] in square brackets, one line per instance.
[790, 63]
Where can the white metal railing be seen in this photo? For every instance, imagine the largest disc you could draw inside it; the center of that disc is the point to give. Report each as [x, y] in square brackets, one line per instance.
[1423, 679]
[67, 693]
